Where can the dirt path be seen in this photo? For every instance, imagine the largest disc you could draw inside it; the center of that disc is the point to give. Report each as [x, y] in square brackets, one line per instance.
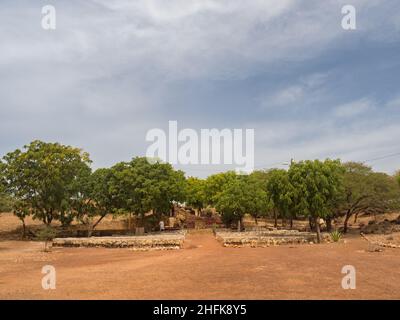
[202, 270]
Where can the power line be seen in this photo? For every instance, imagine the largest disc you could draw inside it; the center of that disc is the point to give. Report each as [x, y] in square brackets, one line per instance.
[383, 157]
[272, 165]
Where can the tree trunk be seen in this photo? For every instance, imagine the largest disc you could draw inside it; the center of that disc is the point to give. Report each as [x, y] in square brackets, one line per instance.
[310, 222]
[90, 231]
[317, 229]
[291, 223]
[355, 217]
[240, 223]
[98, 221]
[276, 218]
[129, 221]
[23, 228]
[328, 224]
[346, 220]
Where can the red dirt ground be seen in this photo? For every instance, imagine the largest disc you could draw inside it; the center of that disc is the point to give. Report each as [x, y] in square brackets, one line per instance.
[202, 270]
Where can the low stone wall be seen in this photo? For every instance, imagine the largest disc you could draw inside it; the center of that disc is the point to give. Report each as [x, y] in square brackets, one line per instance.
[136, 243]
[267, 238]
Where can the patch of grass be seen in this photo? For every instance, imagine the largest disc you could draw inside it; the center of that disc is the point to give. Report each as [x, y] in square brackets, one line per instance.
[335, 236]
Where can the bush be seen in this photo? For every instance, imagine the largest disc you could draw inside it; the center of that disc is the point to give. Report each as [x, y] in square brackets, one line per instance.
[46, 234]
[335, 236]
[228, 219]
[208, 212]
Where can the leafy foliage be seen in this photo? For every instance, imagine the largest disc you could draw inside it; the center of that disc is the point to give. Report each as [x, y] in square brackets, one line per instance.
[196, 193]
[365, 191]
[50, 181]
[139, 187]
[281, 193]
[44, 176]
[316, 185]
[241, 194]
[335, 236]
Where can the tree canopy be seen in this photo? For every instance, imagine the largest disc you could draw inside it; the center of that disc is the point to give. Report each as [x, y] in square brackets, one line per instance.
[44, 177]
[196, 193]
[50, 181]
[365, 191]
[241, 194]
[316, 185]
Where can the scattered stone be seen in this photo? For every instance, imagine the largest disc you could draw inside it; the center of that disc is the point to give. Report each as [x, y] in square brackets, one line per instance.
[374, 248]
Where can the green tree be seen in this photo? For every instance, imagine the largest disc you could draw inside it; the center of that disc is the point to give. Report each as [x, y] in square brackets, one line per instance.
[257, 198]
[139, 187]
[94, 199]
[232, 200]
[46, 234]
[195, 193]
[6, 200]
[365, 191]
[43, 176]
[215, 184]
[241, 194]
[316, 185]
[281, 194]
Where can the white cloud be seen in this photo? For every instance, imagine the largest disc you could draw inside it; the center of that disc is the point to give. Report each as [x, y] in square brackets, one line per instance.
[354, 108]
[306, 89]
[310, 140]
[108, 73]
[394, 103]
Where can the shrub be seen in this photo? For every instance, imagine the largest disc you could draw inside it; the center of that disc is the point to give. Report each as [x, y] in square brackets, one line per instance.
[335, 236]
[228, 219]
[46, 234]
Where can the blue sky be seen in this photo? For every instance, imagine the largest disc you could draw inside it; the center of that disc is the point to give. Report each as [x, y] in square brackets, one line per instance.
[112, 70]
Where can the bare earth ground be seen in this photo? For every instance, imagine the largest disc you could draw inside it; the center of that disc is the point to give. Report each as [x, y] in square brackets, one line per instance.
[202, 270]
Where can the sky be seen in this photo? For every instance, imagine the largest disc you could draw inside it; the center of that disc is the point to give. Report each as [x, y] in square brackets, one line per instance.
[114, 69]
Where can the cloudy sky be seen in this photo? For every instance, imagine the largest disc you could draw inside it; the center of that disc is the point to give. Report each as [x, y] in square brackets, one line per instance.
[114, 69]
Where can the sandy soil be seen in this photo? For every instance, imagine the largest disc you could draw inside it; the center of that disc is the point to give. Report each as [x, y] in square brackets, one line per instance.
[202, 270]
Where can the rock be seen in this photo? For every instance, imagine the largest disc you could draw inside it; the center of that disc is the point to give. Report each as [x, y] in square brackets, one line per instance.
[374, 248]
